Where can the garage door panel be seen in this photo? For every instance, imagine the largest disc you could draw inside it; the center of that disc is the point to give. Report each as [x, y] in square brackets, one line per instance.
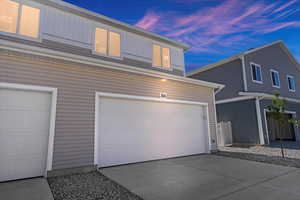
[10, 99]
[136, 130]
[24, 133]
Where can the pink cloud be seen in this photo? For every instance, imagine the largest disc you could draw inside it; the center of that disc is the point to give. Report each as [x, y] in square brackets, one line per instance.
[280, 26]
[148, 21]
[229, 24]
[285, 6]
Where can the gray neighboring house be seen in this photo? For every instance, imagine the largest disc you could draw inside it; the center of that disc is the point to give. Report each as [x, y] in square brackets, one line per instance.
[79, 90]
[251, 78]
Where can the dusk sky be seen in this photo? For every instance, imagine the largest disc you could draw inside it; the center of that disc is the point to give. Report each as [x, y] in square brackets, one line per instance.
[215, 29]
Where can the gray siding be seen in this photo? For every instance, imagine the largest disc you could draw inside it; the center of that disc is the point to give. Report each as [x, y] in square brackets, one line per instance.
[229, 74]
[290, 106]
[66, 48]
[273, 57]
[242, 115]
[77, 84]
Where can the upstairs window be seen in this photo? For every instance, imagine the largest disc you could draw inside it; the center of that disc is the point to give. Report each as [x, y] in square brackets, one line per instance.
[256, 73]
[161, 57]
[107, 42]
[291, 83]
[19, 19]
[275, 79]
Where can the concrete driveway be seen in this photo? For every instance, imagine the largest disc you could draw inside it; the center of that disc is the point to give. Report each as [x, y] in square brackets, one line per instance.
[208, 177]
[27, 189]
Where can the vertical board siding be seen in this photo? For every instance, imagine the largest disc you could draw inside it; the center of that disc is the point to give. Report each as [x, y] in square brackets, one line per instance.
[66, 27]
[77, 84]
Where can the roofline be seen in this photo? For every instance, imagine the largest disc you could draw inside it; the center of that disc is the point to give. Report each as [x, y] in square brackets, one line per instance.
[268, 96]
[95, 16]
[211, 66]
[38, 51]
[227, 60]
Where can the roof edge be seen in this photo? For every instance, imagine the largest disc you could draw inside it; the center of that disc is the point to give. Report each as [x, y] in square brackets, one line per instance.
[211, 66]
[217, 64]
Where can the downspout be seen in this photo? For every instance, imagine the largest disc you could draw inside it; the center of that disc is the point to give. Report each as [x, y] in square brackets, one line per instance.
[242, 57]
[259, 120]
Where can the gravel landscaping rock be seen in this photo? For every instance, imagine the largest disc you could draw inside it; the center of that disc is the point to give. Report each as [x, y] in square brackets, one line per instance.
[88, 186]
[268, 154]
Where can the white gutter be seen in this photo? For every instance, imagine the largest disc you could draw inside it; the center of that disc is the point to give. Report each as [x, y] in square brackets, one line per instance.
[27, 49]
[267, 96]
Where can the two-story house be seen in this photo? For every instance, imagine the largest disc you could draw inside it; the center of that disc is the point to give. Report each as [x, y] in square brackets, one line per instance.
[78, 89]
[251, 79]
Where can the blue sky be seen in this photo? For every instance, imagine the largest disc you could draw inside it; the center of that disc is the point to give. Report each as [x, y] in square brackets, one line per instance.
[216, 29]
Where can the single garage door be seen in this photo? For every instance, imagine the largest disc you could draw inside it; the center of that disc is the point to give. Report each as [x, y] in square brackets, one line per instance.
[24, 132]
[135, 130]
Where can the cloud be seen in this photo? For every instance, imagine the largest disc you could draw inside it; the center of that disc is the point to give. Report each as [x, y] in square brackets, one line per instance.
[228, 24]
[285, 6]
[150, 20]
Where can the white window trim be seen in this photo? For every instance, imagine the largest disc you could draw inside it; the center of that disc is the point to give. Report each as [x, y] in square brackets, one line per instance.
[276, 72]
[17, 34]
[145, 98]
[162, 67]
[107, 50]
[287, 78]
[257, 65]
[53, 92]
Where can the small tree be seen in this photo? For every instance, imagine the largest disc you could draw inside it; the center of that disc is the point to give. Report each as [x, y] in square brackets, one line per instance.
[277, 111]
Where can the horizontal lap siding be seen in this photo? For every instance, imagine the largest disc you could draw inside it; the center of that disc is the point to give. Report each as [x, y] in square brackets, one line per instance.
[74, 131]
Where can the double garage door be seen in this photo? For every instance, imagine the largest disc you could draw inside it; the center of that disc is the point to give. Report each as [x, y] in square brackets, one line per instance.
[24, 133]
[133, 130]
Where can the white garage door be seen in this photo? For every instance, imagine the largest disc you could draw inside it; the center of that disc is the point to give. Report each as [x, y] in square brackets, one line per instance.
[139, 130]
[24, 132]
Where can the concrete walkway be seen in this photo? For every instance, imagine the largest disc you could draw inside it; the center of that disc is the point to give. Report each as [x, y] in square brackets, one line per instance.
[208, 177]
[29, 189]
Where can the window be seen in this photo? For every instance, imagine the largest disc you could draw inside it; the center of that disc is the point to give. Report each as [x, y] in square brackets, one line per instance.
[291, 83]
[28, 22]
[107, 42]
[275, 78]
[256, 73]
[8, 16]
[161, 56]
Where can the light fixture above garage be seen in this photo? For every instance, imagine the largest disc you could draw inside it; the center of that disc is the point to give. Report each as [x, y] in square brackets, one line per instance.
[163, 95]
[163, 80]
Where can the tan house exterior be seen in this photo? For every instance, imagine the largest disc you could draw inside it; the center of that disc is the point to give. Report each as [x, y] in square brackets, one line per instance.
[72, 79]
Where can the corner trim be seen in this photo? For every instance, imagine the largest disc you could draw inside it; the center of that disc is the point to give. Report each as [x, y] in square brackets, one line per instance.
[53, 92]
[259, 121]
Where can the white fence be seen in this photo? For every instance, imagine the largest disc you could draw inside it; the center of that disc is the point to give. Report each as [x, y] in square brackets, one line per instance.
[224, 134]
